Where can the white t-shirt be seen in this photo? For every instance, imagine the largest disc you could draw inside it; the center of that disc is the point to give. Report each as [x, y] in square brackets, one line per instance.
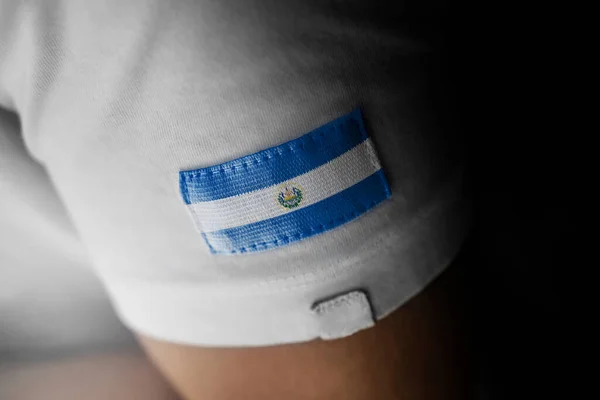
[153, 124]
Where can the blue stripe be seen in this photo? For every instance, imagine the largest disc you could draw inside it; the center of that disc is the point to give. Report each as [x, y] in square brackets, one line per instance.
[276, 164]
[296, 225]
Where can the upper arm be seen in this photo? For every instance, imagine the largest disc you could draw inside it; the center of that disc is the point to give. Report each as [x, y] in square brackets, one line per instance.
[116, 104]
[417, 353]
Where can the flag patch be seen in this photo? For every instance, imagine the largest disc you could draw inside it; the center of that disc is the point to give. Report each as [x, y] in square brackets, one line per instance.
[289, 192]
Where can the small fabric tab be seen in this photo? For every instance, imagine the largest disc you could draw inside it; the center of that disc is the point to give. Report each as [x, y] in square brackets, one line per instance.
[287, 193]
[344, 315]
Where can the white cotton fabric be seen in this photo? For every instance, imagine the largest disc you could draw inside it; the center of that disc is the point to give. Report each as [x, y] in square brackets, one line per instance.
[320, 183]
[114, 98]
[344, 315]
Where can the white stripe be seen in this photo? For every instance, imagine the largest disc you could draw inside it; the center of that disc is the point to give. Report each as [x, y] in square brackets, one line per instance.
[316, 185]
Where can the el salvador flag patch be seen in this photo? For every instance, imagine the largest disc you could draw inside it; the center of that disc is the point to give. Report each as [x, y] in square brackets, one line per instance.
[289, 192]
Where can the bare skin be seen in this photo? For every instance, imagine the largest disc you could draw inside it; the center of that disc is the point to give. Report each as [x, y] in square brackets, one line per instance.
[417, 353]
[114, 376]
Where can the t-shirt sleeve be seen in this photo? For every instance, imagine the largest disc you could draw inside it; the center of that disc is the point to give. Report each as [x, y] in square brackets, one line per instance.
[243, 173]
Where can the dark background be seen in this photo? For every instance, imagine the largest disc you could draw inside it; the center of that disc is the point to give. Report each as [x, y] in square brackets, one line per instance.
[502, 67]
